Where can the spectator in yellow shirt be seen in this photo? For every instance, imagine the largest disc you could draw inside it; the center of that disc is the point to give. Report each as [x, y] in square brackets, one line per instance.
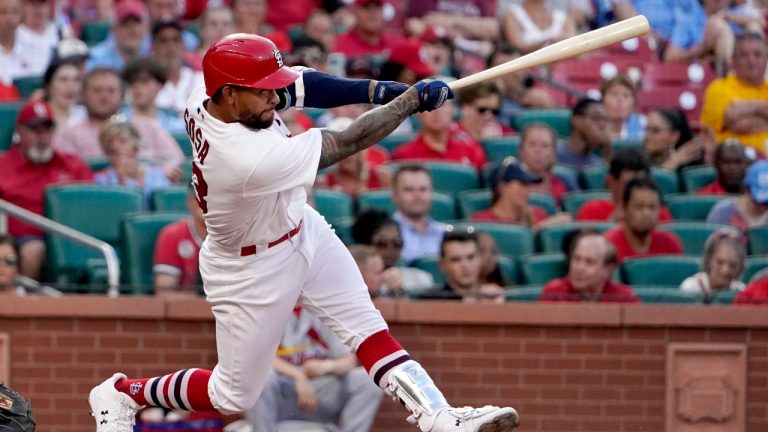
[737, 106]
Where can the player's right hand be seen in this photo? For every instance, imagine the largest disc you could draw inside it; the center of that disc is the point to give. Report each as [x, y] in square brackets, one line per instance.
[432, 94]
[306, 394]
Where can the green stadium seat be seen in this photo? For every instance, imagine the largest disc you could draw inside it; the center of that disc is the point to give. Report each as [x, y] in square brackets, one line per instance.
[542, 268]
[508, 267]
[391, 142]
[443, 205]
[8, 113]
[664, 295]
[431, 265]
[752, 266]
[622, 143]
[550, 239]
[496, 149]
[334, 205]
[452, 178]
[724, 297]
[511, 240]
[92, 209]
[558, 119]
[567, 173]
[27, 85]
[688, 206]
[170, 199]
[544, 201]
[97, 164]
[572, 201]
[525, 293]
[696, 177]
[139, 234]
[343, 229]
[182, 139]
[314, 113]
[758, 241]
[693, 235]
[666, 180]
[472, 201]
[659, 270]
[593, 177]
[94, 32]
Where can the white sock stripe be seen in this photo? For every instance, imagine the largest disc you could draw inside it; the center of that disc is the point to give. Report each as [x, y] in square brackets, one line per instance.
[184, 386]
[384, 360]
[171, 394]
[160, 396]
[148, 390]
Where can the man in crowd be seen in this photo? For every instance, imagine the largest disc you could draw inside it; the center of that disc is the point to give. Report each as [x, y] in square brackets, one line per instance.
[638, 235]
[731, 164]
[412, 194]
[168, 49]
[737, 106]
[537, 152]
[367, 37]
[626, 164]
[750, 208]
[29, 167]
[103, 97]
[441, 139]
[176, 251]
[589, 132]
[125, 42]
[591, 262]
[460, 264]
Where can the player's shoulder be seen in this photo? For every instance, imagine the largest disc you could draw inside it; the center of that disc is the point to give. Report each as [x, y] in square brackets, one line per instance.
[197, 96]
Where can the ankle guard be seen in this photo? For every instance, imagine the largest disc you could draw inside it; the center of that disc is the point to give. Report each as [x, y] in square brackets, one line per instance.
[411, 384]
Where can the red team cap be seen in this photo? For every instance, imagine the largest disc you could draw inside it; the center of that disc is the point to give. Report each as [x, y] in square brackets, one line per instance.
[35, 113]
[245, 60]
[410, 53]
[131, 9]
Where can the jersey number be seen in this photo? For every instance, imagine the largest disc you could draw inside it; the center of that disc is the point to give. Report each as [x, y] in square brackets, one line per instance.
[201, 188]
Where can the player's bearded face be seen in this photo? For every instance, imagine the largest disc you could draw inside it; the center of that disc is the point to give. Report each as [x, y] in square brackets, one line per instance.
[257, 108]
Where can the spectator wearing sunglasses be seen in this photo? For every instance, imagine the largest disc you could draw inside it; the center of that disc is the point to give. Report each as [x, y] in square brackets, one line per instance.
[9, 267]
[511, 182]
[376, 228]
[479, 106]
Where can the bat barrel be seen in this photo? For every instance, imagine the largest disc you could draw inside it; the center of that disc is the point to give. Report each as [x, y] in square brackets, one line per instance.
[571, 47]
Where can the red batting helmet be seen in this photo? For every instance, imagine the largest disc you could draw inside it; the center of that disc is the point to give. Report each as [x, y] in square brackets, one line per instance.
[246, 60]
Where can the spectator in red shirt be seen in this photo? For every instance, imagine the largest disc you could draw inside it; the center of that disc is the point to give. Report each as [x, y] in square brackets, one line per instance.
[591, 262]
[510, 183]
[731, 163]
[638, 235]
[755, 293]
[479, 106]
[537, 152]
[367, 37]
[626, 164]
[176, 251]
[28, 167]
[441, 139]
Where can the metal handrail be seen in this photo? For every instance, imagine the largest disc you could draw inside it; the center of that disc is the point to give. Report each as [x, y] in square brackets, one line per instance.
[48, 225]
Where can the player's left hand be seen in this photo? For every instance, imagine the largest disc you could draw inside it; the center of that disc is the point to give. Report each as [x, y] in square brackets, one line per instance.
[432, 94]
[385, 91]
[314, 368]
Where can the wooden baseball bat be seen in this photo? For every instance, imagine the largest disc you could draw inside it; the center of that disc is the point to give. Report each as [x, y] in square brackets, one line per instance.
[571, 47]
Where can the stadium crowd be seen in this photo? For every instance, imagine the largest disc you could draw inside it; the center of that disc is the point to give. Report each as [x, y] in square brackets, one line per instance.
[636, 173]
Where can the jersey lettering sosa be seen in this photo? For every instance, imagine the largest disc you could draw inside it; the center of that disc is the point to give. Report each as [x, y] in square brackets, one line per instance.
[201, 147]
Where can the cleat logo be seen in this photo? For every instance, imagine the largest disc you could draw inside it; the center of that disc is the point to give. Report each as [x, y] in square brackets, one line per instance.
[135, 388]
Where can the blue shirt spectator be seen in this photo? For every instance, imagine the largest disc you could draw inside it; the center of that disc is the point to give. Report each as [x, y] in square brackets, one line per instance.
[154, 178]
[417, 243]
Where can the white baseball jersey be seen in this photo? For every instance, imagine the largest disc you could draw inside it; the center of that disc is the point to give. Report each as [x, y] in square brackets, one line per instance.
[251, 183]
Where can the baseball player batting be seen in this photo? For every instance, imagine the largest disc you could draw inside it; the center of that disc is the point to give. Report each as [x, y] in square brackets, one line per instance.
[267, 250]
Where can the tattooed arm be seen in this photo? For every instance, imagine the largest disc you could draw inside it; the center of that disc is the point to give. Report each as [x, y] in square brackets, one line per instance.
[368, 129]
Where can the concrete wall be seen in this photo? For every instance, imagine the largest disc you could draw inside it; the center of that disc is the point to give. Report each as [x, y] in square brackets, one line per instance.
[565, 367]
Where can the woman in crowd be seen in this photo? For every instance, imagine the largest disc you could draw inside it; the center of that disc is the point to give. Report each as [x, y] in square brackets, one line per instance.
[119, 139]
[669, 141]
[534, 24]
[62, 85]
[619, 96]
[722, 265]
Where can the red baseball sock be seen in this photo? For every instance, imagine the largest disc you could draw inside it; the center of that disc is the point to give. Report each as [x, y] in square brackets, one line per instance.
[186, 390]
[378, 354]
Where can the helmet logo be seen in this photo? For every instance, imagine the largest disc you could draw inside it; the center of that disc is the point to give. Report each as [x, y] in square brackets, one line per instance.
[279, 58]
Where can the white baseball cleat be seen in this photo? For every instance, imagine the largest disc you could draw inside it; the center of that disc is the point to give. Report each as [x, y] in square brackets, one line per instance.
[114, 411]
[467, 419]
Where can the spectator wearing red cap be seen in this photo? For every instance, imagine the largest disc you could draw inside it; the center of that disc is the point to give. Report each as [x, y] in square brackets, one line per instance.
[469, 19]
[368, 36]
[28, 167]
[126, 40]
[439, 47]
[407, 63]
[441, 139]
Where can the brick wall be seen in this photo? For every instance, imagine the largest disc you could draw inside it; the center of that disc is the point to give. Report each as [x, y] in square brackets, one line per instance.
[564, 367]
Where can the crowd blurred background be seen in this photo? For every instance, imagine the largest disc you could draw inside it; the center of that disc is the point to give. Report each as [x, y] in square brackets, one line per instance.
[651, 148]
